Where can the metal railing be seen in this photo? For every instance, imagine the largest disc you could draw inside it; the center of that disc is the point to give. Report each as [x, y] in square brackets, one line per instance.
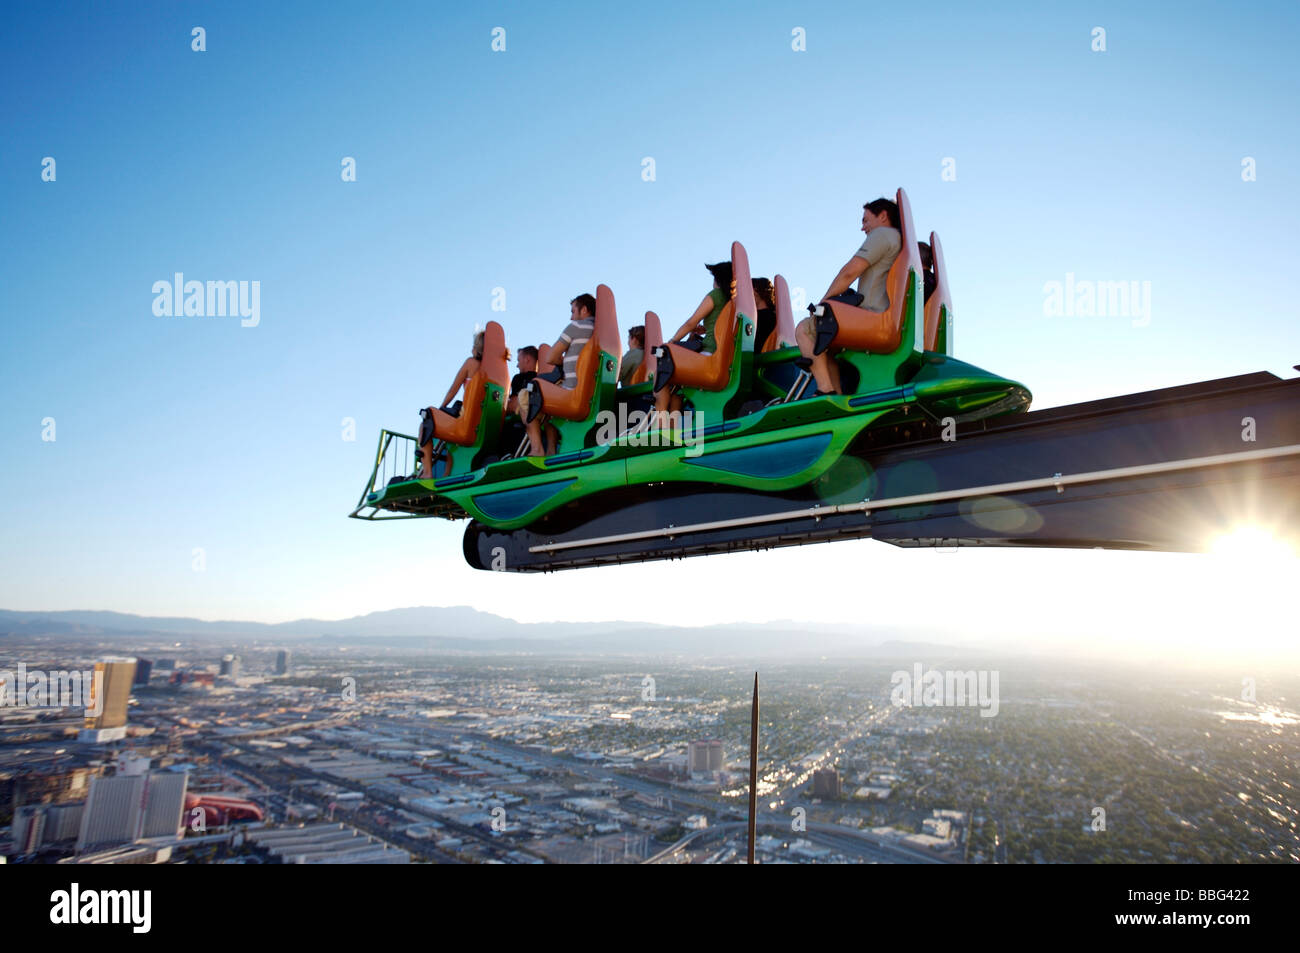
[397, 460]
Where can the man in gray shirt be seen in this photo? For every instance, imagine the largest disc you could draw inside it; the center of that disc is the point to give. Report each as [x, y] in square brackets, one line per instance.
[870, 266]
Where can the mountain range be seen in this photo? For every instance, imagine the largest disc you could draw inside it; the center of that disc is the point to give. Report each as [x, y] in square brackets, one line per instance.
[462, 628]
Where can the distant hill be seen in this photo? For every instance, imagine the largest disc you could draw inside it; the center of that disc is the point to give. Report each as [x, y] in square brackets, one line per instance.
[461, 621]
[462, 628]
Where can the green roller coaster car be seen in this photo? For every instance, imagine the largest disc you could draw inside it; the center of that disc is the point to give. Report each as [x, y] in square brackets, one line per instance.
[749, 424]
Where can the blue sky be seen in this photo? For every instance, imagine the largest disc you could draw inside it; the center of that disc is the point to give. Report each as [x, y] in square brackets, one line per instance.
[522, 170]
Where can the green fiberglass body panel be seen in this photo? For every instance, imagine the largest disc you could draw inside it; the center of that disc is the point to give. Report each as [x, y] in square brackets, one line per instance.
[774, 449]
[510, 496]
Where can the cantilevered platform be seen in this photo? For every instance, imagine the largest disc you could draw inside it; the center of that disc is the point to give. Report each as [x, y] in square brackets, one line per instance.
[1169, 470]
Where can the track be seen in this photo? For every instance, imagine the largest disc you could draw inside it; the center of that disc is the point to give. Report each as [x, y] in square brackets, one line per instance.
[1161, 470]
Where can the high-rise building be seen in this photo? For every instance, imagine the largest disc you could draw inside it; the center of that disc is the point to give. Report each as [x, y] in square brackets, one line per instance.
[125, 807]
[109, 695]
[112, 814]
[143, 669]
[28, 828]
[826, 783]
[704, 756]
[282, 662]
[36, 825]
[230, 665]
[63, 821]
[164, 804]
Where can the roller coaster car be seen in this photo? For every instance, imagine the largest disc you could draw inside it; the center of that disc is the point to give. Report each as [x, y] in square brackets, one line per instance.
[753, 428]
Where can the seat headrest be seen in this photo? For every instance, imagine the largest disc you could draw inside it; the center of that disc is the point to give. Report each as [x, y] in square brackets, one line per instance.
[605, 332]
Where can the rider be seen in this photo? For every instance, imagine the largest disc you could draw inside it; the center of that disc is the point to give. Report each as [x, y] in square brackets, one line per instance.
[765, 320]
[870, 266]
[704, 319]
[633, 357]
[582, 325]
[463, 377]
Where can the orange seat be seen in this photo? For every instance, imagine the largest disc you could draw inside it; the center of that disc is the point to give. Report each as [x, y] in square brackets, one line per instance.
[492, 368]
[654, 337]
[575, 404]
[783, 331]
[641, 374]
[938, 310]
[880, 332]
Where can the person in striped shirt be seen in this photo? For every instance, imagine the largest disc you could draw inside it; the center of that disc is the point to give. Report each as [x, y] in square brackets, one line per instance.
[565, 352]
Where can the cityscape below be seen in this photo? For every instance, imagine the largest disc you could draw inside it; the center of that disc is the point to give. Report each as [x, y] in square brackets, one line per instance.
[124, 743]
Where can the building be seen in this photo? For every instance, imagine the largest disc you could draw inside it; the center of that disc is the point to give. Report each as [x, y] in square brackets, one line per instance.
[49, 782]
[164, 802]
[206, 679]
[125, 807]
[63, 822]
[704, 756]
[230, 665]
[110, 693]
[826, 784]
[129, 763]
[28, 828]
[282, 662]
[112, 814]
[143, 669]
[144, 854]
[38, 825]
[325, 843]
[937, 827]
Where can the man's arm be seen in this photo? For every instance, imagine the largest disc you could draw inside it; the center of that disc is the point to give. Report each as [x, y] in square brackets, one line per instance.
[851, 272]
[556, 355]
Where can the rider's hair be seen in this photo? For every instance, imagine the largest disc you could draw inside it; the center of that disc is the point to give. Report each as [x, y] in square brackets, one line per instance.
[927, 255]
[884, 205]
[721, 273]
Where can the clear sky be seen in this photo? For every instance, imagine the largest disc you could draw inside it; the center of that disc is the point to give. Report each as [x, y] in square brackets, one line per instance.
[522, 170]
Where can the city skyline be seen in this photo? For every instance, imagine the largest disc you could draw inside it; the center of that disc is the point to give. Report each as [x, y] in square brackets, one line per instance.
[380, 757]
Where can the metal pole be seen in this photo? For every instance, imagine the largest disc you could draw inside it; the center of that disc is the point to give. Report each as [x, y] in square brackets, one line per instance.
[753, 767]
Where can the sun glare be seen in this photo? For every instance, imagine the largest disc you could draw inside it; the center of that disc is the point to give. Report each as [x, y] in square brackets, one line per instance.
[1252, 544]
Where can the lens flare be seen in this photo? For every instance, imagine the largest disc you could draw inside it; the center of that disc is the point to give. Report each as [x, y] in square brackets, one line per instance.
[1251, 544]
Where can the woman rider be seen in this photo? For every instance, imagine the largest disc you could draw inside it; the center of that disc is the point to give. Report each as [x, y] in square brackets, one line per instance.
[704, 319]
[463, 377]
